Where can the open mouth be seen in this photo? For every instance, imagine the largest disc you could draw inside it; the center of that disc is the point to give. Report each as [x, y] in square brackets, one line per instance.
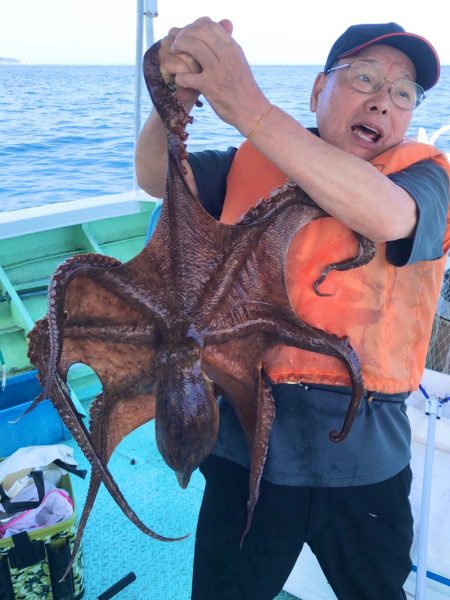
[368, 134]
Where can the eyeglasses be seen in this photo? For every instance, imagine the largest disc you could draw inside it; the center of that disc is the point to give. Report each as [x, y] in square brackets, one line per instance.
[367, 76]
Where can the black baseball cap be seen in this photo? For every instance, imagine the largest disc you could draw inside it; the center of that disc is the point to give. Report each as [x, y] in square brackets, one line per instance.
[417, 48]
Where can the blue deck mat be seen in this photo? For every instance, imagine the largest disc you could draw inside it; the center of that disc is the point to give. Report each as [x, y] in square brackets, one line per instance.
[113, 547]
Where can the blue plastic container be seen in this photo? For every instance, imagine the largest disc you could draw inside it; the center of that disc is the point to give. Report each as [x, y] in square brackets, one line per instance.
[42, 425]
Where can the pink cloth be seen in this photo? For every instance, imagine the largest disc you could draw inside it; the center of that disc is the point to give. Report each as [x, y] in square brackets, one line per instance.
[56, 507]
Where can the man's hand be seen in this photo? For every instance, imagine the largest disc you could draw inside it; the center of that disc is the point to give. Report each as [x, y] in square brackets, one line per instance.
[171, 64]
[206, 58]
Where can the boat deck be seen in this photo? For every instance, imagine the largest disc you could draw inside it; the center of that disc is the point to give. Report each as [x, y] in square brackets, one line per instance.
[113, 546]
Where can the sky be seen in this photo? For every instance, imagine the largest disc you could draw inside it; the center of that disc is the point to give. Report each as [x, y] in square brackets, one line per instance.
[277, 32]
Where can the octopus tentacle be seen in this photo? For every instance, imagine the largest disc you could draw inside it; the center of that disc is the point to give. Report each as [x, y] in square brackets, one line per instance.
[366, 252]
[76, 265]
[289, 193]
[94, 486]
[306, 337]
[83, 264]
[101, 415]
[340, 348]
[279, 199]
[266, 415]
[119, 334]
[235, 257]
[65, 407]
[171, 111]
[135, 295]
[253, 225]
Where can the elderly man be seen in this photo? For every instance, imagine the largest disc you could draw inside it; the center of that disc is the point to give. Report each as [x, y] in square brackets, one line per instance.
[348, 501]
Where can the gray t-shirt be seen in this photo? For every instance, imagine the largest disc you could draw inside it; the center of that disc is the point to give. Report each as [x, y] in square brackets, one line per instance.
[378, 445]
[300, 452]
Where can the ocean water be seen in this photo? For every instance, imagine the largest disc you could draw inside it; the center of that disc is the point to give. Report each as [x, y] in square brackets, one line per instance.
[67, 132]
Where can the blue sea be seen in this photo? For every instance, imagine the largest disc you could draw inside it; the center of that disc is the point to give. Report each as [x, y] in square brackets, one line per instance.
[67, 132]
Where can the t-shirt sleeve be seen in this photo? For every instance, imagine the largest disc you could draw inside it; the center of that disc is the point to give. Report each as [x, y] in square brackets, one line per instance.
[210, 169]
[428, 184]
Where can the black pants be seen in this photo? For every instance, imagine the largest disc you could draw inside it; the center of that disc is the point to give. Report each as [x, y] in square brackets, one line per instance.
[361, 536]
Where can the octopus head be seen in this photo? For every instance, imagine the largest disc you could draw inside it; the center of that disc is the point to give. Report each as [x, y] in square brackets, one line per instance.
[187, 416]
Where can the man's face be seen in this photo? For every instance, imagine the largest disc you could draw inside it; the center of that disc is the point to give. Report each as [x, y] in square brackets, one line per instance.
[362, 124]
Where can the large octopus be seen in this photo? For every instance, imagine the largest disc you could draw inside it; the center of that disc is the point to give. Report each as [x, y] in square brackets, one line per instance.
[190, 317]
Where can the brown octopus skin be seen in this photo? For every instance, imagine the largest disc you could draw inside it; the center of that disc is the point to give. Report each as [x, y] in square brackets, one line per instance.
[196, 310]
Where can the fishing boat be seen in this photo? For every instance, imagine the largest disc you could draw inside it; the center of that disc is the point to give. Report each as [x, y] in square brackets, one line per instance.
[33, 242]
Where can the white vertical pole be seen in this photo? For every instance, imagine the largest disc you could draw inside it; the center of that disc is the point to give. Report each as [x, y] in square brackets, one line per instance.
[150, 11]
[144, 9]
[137, 75]
[433, 412]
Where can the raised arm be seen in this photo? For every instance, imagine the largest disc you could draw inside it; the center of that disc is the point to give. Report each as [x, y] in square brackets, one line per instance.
[336, 174]
[151, 157]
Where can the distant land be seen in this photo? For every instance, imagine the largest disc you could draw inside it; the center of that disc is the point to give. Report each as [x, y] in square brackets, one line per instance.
[9, 61]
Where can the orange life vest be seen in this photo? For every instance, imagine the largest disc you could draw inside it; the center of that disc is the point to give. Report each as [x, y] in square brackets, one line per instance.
[386, 311]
